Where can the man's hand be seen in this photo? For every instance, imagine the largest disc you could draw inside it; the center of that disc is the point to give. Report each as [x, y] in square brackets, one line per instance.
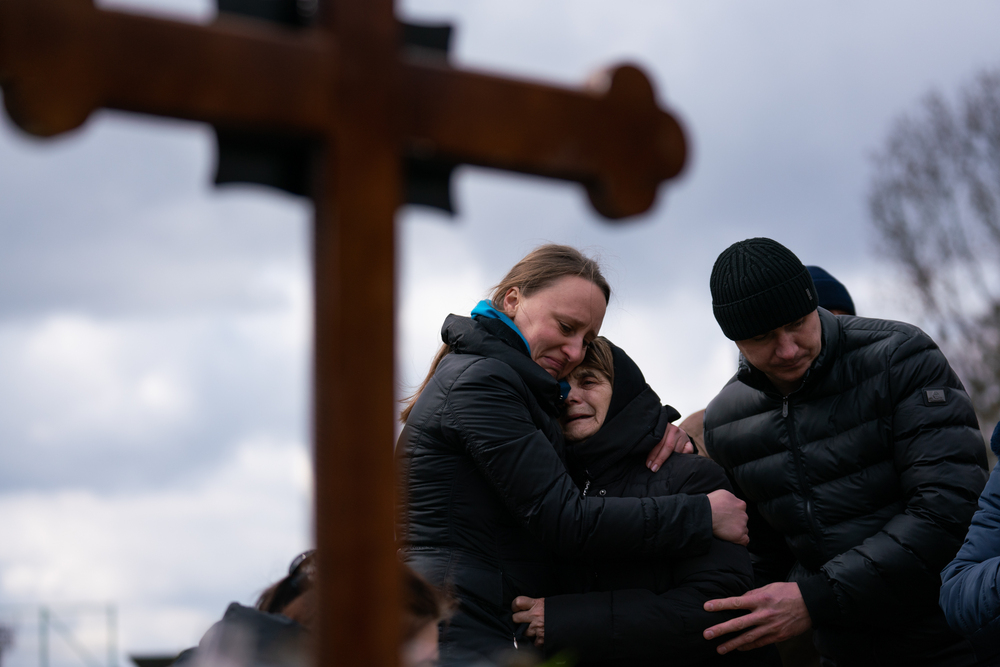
[531, 611]
[729, 517]
[777, 612]
[674, 440]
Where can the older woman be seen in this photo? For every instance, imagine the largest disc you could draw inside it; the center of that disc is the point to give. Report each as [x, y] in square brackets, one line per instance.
[488, 497]
[635, 611]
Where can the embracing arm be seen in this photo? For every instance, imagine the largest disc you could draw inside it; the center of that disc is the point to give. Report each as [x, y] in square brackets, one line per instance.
[938, 455]
[486, 411]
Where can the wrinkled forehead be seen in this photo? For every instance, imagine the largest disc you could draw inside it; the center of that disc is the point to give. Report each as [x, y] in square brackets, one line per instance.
[582, 372]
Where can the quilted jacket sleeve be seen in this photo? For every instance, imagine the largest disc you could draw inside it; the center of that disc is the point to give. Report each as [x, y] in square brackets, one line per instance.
[486, 412]
[769, 552]
[939, 458]
[970, 585]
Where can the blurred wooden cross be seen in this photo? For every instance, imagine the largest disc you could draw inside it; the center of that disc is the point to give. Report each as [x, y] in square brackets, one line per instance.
[345, 85]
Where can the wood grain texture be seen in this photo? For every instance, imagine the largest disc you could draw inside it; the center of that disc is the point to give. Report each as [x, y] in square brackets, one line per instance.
[354, 400]
[62, 59]
[611, 137]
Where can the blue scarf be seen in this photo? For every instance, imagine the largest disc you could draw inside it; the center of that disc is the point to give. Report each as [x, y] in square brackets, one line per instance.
[486, 309]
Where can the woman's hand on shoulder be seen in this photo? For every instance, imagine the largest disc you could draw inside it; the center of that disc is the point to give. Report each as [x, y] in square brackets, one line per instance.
[674, 440]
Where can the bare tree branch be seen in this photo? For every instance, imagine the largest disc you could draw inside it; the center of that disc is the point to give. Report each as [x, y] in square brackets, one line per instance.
[934, 201]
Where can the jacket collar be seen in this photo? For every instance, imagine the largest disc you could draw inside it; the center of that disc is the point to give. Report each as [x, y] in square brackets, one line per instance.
[607, 454]
[494, 339]
[831, 335]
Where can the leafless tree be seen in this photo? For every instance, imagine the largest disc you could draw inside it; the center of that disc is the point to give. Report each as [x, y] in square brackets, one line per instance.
[935, 203]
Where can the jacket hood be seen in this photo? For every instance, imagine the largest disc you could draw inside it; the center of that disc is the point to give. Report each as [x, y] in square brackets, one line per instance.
[831, 334]
[493, 339]
[629, 382]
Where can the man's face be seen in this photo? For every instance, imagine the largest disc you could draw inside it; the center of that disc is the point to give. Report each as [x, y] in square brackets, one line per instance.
[786, 353]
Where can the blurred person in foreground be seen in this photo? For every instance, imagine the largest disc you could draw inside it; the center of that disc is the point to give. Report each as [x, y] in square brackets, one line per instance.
[277, 630]
[970, 588]
[634, 611]
[858, 452]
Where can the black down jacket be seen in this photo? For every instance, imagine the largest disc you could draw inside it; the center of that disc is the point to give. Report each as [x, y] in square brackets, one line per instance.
[866, 479]
[489, 501]
[646, 611]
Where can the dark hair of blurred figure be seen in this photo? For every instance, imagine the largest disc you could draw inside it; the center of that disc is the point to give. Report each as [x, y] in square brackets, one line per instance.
[288, 596]
[424, 606]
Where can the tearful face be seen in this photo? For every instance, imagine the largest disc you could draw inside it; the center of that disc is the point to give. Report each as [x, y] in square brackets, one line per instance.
[558, 321]
[586, 405]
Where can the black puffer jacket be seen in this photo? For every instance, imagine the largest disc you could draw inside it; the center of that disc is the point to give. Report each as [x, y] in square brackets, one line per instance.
[643, 611]
[488, 498]
[866, 479]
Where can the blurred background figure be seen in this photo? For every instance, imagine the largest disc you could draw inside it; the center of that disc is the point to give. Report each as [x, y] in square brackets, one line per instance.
[832, 294]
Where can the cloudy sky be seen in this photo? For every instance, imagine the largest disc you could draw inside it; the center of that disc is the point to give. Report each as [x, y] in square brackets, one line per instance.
[154, 331]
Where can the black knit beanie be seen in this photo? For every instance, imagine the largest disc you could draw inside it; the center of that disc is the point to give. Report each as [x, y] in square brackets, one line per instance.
[759, 285]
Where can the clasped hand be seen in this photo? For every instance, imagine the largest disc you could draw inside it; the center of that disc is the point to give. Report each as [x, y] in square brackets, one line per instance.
[531, 611]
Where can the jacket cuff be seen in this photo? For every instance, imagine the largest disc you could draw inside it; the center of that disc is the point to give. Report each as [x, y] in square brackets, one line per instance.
[702, 532]
[820, 600]
[579, 623]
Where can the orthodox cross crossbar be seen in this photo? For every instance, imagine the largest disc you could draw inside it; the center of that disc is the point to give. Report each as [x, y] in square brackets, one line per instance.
[346, 83]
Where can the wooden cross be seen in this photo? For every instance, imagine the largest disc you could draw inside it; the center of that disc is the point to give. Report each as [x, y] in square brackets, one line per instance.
[346, 83]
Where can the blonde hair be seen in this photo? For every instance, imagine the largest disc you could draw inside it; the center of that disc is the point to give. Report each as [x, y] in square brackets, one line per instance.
[537, 270]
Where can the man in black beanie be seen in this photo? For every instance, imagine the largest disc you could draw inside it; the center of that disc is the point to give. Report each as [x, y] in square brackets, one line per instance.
[858, 452]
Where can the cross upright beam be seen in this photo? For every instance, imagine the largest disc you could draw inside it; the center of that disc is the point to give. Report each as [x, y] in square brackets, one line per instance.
[346, 85]
[354, 273]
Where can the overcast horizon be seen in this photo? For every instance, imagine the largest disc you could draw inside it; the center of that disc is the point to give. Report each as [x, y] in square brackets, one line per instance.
[155, 331]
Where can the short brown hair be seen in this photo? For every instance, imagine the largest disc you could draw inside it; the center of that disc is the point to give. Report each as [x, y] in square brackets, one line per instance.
[600, 358]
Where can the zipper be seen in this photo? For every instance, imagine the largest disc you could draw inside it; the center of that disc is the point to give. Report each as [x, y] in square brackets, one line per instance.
[585, 487]
[801, 470]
